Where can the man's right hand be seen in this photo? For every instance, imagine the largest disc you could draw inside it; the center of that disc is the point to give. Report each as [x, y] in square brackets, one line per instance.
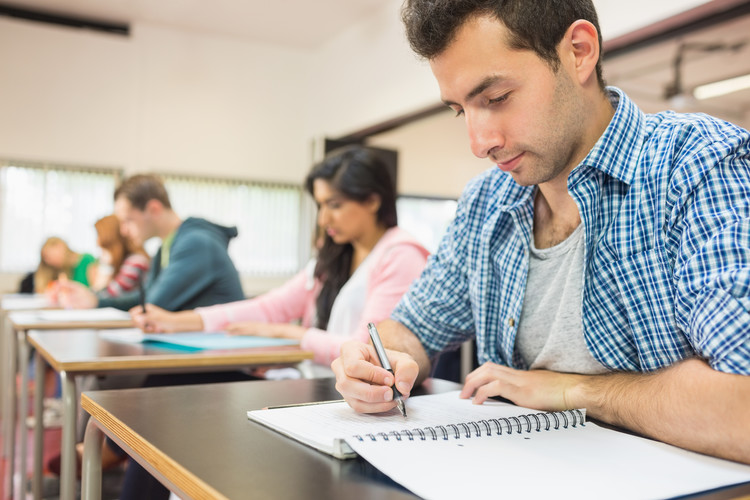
[73, 295]
[364, 384]
[158, 320]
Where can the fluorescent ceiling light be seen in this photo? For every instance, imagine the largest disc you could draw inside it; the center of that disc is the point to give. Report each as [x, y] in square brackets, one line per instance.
[723, 87]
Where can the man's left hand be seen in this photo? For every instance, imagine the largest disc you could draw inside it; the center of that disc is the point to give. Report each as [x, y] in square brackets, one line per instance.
[538, 389]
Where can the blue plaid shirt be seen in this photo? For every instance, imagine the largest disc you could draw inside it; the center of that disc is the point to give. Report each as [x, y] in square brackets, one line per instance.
[665, 204]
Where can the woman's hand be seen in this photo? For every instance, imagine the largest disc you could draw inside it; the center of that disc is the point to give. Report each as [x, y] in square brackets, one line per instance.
[260, 329]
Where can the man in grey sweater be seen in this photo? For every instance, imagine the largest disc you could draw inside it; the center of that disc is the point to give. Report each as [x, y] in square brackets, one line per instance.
[191, 269]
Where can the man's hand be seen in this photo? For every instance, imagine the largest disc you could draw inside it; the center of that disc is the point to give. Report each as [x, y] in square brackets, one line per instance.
[365, 385]
[73, 295]
[538, 389]
[158, 320]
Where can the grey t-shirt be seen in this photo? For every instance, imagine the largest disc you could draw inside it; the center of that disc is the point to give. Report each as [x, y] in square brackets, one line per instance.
[550, 331]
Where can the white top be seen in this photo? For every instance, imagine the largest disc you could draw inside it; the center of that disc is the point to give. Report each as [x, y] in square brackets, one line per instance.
[550, 332]
[346, 311]
[346, 314]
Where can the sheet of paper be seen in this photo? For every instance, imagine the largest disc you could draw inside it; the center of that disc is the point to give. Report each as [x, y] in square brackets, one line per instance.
[323, 424]
[126, 335]
[21, 302]
[71, 315]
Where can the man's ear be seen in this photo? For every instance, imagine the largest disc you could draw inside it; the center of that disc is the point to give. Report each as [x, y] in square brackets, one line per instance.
[580, 48]
[153, 208]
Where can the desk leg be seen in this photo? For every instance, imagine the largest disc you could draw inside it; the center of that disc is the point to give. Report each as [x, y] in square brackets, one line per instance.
[68, 447]
[9, 396]
[91, 484]
[12, 401]
[5, 380]
[23, 408]
[36, 483]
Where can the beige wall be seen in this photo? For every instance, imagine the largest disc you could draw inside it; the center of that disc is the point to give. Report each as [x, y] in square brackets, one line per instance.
[434, 156]
[157, 100]
[197, 103]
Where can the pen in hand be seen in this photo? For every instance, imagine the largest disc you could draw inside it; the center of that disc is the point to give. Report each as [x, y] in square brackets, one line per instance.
[380, 350]
[142, 294]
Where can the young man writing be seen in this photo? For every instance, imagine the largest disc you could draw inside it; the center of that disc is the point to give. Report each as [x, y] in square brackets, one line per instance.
[604, 264]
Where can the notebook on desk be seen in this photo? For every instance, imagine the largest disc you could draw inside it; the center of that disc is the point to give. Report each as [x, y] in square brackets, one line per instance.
[330, 426]
[449, 448]
[73, 315]
[193, 340]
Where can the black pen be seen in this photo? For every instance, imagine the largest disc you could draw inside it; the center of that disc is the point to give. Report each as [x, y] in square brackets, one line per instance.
[142, 293]
[386, 364]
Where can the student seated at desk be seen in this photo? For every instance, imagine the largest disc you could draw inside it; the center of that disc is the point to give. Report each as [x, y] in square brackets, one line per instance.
[180, 276]
[123, 263]
[57, 260]
[605, 264]
[364, 266]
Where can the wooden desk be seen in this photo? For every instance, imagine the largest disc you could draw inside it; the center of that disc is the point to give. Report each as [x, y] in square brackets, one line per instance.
[80, 352]
[198, 442]
[20, 322]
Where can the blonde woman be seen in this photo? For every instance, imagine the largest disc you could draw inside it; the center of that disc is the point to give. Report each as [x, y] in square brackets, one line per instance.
[57, 259]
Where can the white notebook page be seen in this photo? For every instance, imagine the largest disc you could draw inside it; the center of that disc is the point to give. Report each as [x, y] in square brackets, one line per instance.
[588, 462]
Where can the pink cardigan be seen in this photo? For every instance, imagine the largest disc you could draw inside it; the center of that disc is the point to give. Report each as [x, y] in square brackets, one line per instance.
[398, 259]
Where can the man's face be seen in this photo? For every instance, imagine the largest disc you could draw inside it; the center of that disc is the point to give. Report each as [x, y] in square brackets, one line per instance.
[134, 224]
[519, 113]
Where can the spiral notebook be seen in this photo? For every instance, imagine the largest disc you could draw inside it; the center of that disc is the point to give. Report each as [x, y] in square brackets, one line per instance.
[449, 448]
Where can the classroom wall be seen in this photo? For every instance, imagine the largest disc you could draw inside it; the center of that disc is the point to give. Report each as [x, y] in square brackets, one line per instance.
[169, 100]
[434, 155]
[160, 99]
[204, 104]
[366, 75]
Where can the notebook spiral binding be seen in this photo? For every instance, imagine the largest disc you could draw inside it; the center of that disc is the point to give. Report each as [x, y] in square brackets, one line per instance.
[538, 422]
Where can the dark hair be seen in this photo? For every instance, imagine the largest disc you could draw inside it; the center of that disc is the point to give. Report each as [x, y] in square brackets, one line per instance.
[536, 25]
[357, 174]
[141, 188]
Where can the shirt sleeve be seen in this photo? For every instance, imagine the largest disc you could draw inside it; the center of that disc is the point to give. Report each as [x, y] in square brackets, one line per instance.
[189, 273]
[437, 308]
[128, 277]
[395, 271]
[281, 305]
[712, 270]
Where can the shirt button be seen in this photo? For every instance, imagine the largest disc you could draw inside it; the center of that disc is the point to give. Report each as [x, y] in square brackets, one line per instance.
[511, 322]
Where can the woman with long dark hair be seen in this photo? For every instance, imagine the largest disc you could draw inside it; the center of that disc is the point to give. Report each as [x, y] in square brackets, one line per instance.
[365, 263]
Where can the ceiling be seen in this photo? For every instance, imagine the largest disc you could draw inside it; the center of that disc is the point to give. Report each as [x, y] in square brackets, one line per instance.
[293, 23]
[645, 74]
